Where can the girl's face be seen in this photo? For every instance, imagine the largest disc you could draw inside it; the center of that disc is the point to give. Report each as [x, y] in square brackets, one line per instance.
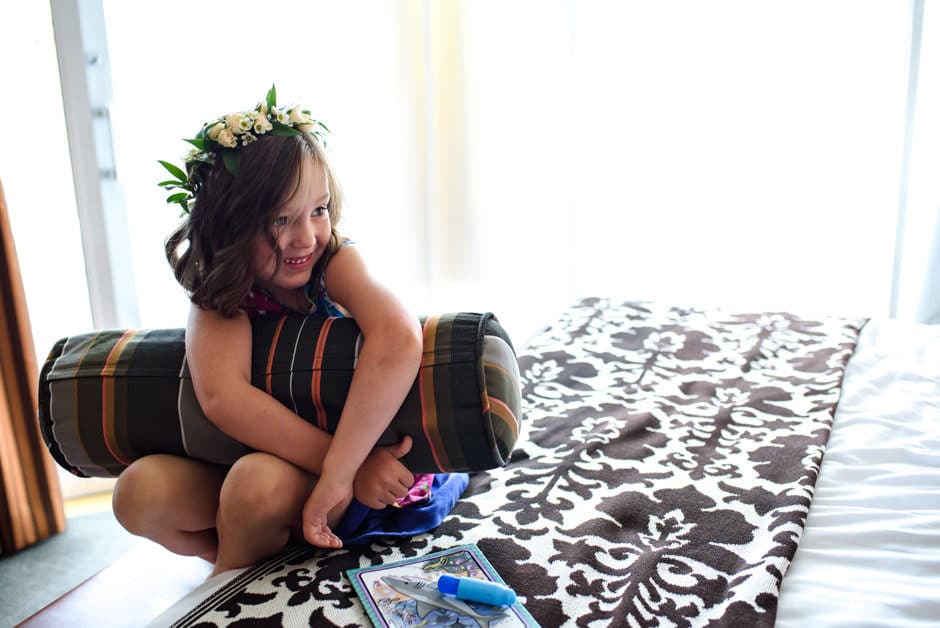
[301, 227]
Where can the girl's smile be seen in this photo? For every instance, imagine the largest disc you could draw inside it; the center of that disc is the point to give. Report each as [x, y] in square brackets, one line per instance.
[298, 263]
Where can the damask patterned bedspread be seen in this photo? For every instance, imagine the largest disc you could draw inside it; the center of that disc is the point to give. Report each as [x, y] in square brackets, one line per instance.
[665, 478]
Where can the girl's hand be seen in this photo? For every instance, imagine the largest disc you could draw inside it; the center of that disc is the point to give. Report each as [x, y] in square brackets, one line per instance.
[382, 478]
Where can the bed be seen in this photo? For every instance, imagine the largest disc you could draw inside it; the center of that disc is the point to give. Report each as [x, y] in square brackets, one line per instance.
[681, 466]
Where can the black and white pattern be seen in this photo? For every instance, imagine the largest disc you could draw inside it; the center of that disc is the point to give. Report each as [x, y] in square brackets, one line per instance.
[665, 478]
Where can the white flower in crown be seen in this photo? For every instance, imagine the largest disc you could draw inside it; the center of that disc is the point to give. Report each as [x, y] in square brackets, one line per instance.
[280, 116]
[297, 117]
[226, 138]
[248, 138]
[233, 122]
[260, 123]
[213, 132]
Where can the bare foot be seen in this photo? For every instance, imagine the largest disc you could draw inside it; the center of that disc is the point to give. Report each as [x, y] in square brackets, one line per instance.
[326, 504]
[318, 533]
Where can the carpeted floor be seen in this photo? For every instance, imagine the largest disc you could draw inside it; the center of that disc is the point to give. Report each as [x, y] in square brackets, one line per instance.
[38, 575]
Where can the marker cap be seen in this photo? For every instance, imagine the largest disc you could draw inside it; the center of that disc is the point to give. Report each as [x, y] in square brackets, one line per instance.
[447, 584]
[475, 590]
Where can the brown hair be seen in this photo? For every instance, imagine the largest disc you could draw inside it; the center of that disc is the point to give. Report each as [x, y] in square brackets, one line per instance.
[214, 265]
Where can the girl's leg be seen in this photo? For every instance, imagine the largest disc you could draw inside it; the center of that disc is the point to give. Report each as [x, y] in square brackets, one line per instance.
[172, 501]
[261, 502]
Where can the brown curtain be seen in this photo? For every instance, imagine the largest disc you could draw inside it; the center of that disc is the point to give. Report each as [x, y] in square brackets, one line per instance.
[30, 501]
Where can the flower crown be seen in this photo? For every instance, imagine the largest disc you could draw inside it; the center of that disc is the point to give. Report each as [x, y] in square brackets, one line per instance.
[224, 136]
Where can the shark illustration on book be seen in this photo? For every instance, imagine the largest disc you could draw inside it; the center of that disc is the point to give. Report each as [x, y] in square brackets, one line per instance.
[429, 600]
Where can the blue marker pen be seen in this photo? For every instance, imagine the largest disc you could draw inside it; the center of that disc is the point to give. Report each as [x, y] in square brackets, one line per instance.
[474, 590]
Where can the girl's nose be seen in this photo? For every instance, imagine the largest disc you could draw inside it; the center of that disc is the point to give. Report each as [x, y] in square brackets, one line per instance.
[303, 235]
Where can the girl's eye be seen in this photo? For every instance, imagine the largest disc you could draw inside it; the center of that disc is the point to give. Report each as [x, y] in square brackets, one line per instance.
[320, 211]
[280, 221]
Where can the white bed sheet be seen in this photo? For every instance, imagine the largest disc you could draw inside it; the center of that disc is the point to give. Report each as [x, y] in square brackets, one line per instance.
[870, 552]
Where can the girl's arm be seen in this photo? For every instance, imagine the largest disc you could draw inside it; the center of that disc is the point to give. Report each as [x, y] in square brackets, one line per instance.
[386, 369]
[218, 350]
[387, 366]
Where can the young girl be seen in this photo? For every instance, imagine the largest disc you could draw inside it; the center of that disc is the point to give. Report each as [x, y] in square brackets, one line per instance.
[259, 238]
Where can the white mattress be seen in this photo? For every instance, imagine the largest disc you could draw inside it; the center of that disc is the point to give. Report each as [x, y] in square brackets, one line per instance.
[870, 553]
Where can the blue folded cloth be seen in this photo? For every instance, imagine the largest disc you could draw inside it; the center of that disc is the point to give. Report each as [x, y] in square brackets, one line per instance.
[361, 523]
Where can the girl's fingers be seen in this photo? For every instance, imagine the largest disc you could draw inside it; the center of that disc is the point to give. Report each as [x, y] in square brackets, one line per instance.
[403, 447]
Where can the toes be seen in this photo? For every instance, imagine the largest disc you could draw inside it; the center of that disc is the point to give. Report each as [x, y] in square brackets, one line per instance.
[326, 541]
[320, 537]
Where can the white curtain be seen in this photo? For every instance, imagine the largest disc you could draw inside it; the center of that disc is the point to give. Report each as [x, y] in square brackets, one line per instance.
[732, 153]
[514, 155]
[746, 154]
[34, 166]
[918, 272]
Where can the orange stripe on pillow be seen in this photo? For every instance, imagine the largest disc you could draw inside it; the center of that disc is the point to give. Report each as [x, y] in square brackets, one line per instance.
[267, 370]
[428, 402]
[484, 397]
[107, 397]
[317, 373]
[504, 412]
[81, 360]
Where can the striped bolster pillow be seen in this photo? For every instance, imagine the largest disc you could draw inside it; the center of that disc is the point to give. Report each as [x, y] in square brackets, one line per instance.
[110, 397]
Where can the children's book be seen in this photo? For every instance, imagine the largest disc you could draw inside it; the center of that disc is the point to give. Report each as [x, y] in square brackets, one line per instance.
[404, 593]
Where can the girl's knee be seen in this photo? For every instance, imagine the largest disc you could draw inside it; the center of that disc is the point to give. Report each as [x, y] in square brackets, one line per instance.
[141, 487]
[151, 489]
[262, 487]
